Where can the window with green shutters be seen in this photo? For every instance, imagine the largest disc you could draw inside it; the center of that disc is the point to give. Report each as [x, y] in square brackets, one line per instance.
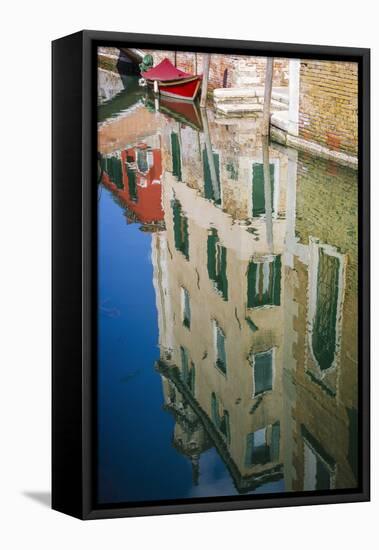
[220, 353]
[262, 364]
[216, 260]
[176, 156]
[180, 229]
[263, 446]
[263, 282]
[325, 319]
[210, 192]
[259, 202]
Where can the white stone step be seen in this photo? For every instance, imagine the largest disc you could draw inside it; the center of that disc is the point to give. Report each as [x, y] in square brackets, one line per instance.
[280, 120]
[238, 109]
[248, 81]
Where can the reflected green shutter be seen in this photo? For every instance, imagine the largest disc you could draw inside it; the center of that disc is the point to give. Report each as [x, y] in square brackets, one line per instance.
[208, 187]
[176, 159]
[132, 184]
[259, 203]
[180, 229]
[324, 324]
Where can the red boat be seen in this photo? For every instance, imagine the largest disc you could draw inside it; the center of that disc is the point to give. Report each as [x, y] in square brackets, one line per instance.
[170, 81]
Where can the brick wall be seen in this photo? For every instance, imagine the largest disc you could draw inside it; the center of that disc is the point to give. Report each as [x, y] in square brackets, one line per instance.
[226, 70]
[328, 111]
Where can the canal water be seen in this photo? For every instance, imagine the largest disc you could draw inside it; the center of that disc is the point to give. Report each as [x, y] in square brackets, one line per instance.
[227, 307]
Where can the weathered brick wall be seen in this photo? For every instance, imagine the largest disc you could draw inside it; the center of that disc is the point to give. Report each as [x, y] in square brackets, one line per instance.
[326, 208]
[225, 70]
[328, 111]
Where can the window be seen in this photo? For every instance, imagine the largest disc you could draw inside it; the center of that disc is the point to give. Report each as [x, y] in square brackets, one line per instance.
[186, 308]
[262, 364]
[324, 338]
[263, 282]
[262, 446]
[211, 189]
[220, 419]
[317, 475]
[219, 341]
[180, 229]
[319, 466]
[176, 156]
[216, 263]
[259, 201]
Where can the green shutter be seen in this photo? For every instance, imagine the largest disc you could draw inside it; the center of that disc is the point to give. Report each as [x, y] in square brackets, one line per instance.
[132, 184]
[277, 274]
[208, 187]
[211, 254]
[180, 229]
[252, 272]
[176, 156]
[324, 324]
[217, 263]
[259, 203]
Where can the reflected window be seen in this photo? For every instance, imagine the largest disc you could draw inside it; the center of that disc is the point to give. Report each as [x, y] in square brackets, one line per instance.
[324, 337]
[317, 475]
[132, 179]
[262, 446]
[259, 202]
[212, 189]
[263, 282]
[176, 156]
[180, 229]
[216, 259]
[219, 344]
[114, 171]
[220, 417]
[187, 369]
[186, 308]
[262, 364]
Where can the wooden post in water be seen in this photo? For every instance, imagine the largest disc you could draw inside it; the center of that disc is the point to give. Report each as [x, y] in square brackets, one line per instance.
[267, 97]
[204, 86]
[209, 151]
[268, 192]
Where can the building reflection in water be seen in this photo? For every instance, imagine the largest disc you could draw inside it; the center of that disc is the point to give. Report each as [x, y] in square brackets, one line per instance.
[254, 252]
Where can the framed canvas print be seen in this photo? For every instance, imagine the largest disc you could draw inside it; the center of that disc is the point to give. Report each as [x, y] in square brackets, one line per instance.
[210, 274]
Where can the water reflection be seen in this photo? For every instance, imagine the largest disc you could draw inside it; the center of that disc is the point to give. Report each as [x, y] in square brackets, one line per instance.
[254, 267]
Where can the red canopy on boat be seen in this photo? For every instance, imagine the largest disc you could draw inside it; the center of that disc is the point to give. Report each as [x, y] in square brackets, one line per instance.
[165, 70]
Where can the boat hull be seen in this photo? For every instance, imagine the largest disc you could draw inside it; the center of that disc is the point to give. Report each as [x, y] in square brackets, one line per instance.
[184, 89]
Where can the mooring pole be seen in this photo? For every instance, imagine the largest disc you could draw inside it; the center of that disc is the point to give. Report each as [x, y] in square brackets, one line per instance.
[209, 153]
[204, 86]
[267, 97]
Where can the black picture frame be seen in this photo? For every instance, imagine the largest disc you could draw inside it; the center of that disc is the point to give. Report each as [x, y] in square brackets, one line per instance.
[74, 272]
